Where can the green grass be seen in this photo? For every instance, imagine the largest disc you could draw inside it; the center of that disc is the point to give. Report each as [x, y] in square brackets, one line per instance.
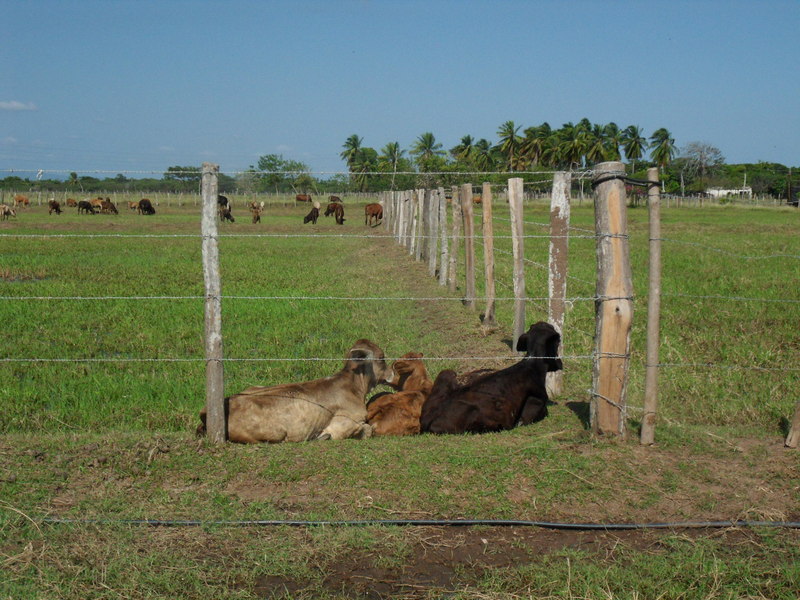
[113, 438]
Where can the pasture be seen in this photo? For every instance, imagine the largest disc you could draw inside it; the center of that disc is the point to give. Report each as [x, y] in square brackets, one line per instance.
[109, 437]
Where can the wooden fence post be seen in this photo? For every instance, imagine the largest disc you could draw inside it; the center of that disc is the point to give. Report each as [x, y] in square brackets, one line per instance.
[793, 438]
[469, 244]
[443, 258]
[557, 278]
[488, 255]
[452, 272]
[647, 435]
[613, 303]
[215, 410]
[515, 191]
[433, 218]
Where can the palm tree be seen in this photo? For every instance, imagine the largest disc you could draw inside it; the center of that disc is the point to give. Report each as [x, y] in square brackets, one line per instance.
[633, 143]
[390, 156]
[597, 149]
[662, 149]
[573, 145]
[613, 140]
[352, 149]
[425, 149]
[509, 142]
[464, 150]
[484, 157]
[534, 144]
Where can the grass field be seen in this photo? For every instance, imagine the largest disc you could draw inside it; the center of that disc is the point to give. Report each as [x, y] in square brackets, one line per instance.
[112, 437]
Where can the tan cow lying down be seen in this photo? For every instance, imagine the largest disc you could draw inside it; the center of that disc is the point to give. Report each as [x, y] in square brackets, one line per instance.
[330, 408]
[398, 413]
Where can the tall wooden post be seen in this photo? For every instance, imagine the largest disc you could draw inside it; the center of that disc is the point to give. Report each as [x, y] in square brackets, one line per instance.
[215, 410]
[452, 272]
[614, 302]
[515, 195]
[557, 278]
[647, 435]
[443, 258]
[488, 255]
[433, 232]
[469, 244]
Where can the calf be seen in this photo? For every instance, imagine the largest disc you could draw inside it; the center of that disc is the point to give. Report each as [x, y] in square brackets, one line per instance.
[398, 413]
[145, 207]
[72, 202]
[21, 200]
[322, 409]
[107, 206]
[373, 212]
[334, 199]
[97, 203]
[6, 212]
[302, 198]
[312, 216]
[133, 205]
[84, 206]
[337, 210]
[500, 399]
[55, 207]
[256, 210]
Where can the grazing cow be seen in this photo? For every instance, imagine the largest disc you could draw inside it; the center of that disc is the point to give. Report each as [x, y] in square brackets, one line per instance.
[312, 216]
[477, 200]
[6, 212]
[72, 202]
[256, 214]
[21, 200]
[133, 205]
[222, 202]
[334, 199]
[322, 409]
[97, 203]
[302, 198]
[337, 210]
[107, 206]
[55, 207]
[145, 207]
[225, 214]
[500, 399]
[398, 413]
[84, 206]
[373, 212]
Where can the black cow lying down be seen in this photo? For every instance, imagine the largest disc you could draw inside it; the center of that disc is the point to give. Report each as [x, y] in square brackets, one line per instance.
[500, 399]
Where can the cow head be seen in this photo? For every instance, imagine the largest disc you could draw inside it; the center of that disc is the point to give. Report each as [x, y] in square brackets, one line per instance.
[366, 358]
[542, 340]
[409, 364]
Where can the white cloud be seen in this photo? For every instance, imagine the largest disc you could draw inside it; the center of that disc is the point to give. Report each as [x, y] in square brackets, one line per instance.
[16, 105]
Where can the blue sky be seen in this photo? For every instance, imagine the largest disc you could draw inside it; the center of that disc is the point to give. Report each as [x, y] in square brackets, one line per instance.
[138, 86]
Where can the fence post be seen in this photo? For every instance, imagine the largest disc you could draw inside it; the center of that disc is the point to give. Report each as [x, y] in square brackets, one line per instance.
[443, 258]
[452, 272]
[518, 250]
[469, 244]
[647, 435]
[488, 255]
[613, 303]
[433, 217]
[215, 411]
[557, 278]
[793, 438]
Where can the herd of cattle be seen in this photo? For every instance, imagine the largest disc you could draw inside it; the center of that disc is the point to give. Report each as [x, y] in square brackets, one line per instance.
[90, 207]
[337, 407]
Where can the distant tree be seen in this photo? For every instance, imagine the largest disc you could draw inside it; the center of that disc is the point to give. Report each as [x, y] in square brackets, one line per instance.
[463, 151]
[633, 144]
[509, 143]
[187, 174]
[352, 148]
[573, 145]
[484, 155]
[702, 160]
[281, 174]
[390, 157]
[426, 150]
[612, 136]
[535, 142]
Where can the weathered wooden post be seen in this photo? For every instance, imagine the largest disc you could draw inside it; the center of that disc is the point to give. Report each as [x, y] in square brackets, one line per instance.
[452, 272]
[469, 244]
[518, 251]
[433, 232]
[557, 278]
[647, 435]
[613, 303]
[488, 255]
[793, 438]
[443, 258]
[215, 411]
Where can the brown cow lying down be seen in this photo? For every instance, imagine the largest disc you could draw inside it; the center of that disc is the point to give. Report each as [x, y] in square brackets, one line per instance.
[398, 413]
[330, 408]
[498, 400]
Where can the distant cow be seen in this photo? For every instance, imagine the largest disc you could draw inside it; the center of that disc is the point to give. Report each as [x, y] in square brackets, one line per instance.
[329, 408]
[312, 216]
[223, 202]
[498, 400]
[225, 214]
[55, 207]
[302, 198]
[398, 413]
[21, 200]
[337, 210]
[145, 207]
[6, 212]
[133, 205]
[334, 199]
[84, 206]
[373, 212]
[72, 202]
[97, 203]
[107, 206]
[256, 212]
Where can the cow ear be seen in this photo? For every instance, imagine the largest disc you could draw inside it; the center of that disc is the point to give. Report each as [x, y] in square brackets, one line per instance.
[522, 343]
